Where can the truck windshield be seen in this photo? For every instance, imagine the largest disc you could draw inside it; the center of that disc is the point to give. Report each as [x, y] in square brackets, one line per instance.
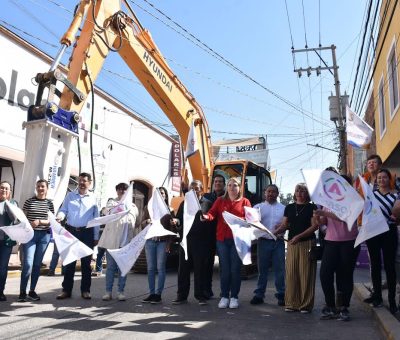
[229, 171]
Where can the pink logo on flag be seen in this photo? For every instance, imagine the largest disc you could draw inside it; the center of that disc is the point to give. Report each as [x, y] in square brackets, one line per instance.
[334, 189]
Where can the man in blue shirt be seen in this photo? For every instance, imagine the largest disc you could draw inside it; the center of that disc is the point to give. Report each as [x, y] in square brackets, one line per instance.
[78, 208]
[269, 250]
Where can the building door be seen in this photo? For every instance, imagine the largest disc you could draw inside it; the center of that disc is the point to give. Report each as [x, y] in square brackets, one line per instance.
[7, 173]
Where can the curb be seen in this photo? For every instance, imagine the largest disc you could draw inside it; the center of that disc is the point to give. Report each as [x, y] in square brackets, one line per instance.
[388, 324]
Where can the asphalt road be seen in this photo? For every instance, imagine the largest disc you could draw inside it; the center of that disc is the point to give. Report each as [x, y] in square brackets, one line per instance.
[76, 318]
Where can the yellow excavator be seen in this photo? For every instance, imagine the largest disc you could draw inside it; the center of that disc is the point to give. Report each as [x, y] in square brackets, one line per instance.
[98, 27]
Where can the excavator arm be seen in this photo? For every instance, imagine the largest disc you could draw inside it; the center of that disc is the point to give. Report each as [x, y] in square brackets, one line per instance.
[104, 28]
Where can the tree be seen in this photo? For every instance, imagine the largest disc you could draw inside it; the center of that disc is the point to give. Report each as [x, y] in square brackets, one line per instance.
[285, 200]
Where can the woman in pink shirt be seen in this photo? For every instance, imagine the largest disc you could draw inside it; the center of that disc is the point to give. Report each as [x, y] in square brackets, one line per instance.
[339, 257]
[229, 261]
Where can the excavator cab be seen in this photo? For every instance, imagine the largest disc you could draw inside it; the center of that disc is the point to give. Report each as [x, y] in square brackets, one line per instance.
[253, 178]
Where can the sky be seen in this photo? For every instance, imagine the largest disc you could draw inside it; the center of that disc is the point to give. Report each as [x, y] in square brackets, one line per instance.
[240, 68]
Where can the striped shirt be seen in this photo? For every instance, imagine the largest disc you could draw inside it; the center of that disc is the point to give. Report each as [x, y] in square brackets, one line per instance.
[386, 203]
[38, 209]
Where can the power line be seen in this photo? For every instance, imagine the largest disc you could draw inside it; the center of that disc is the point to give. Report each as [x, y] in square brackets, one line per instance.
[362, 47]
[221, 58]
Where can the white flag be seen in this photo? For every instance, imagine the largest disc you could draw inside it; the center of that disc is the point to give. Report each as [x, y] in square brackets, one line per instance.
[242, 236]
[359, 133]
[68, 246]
[253, 217]
[190, 208]
[117, 212]
[127, 256]
[191, 145]
[373, 221]
[157, 210]
[332, 191]
[22, 232]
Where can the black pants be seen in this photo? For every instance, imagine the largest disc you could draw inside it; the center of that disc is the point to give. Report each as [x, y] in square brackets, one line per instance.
[86, 236]
[198, 258]
[209, 267]
[339, 257]
[387, 244]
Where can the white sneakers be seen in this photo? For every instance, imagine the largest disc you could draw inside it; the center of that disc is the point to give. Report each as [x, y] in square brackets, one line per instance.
[225, 303]
[107, 296]
[121, 296]
[234, 303]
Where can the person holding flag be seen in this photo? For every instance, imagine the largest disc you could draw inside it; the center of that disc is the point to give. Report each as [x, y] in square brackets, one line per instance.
[198, 250]
[36, 210]
[386, 243]
[300, 270]
[116, 235]
[339, 257]
[156, 249]
[6, 244]
[79, 207]
[230, 263]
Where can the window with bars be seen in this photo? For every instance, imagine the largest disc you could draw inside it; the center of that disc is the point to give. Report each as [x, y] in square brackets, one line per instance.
[393, 82]
[382, 116]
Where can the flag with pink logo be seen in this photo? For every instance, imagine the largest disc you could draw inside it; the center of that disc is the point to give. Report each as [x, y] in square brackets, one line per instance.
[116, 212]
[332, 191]
[68, 246]
[373, 221]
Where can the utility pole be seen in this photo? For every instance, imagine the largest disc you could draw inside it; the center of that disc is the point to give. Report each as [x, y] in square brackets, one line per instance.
[337, 102]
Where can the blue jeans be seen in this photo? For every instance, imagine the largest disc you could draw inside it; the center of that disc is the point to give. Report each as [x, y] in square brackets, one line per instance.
[229, 265]
[99, 259]
[33, 253]
[156, 257]
[112, 268]
[54, 259]
[5, 253]
[271, 251]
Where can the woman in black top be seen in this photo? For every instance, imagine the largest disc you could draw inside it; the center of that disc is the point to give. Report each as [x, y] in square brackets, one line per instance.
[300, 270]
[385, 243]
[36, 210]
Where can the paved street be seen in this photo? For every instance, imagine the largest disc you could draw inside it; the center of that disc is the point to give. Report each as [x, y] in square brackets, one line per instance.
[96, 319]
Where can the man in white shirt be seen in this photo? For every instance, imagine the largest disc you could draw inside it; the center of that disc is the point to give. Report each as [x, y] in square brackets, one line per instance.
[269, 250]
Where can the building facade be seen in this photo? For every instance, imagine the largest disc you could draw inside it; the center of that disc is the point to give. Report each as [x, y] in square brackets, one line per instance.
[126, 148]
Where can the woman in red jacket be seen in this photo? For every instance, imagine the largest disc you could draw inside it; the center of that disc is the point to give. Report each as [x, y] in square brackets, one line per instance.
[229, 261]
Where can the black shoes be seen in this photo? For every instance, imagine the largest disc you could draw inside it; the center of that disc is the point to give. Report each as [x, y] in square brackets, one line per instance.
[281, 302]
[22, 297]
[203, 302]
[179, 301]
[148, 299]
[256, 300]
[376, 303]
[2, 297]
[156, 299]
[33, 296]
[344, 315]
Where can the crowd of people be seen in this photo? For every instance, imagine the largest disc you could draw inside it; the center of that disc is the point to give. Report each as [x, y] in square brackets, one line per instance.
[294, 270]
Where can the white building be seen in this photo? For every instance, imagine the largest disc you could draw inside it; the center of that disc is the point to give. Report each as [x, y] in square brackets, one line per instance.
[125, 147]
